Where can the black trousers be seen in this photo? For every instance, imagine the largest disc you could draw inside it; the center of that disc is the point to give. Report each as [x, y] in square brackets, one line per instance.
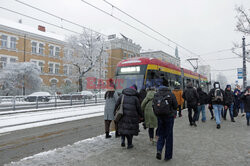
[179, 109]
[192, 116]
[129, 139]
[151, 132]
[107, 125]
[211, 112]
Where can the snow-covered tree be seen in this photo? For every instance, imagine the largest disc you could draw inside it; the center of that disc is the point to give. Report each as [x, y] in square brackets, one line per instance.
[88, 49]
[243, 20]
[16, 77]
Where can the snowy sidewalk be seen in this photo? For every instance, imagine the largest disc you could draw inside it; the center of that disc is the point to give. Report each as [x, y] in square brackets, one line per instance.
[201, 146]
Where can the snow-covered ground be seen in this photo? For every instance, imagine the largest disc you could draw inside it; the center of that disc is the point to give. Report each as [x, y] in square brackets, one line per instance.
[34, 119]
[193, 146]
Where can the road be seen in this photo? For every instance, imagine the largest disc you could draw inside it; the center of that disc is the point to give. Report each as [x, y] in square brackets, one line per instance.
[23, 143]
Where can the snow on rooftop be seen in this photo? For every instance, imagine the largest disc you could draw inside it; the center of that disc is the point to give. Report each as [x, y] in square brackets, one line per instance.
[29, 29]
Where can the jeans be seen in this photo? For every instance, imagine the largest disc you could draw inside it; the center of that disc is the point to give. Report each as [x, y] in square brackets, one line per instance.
[190, 117]
[241, 107]
[201, 109]
[151, 132]
[231, 109]
[165, 131]
[179, 109]
[248, 116]
[217, 112]
[129, 139]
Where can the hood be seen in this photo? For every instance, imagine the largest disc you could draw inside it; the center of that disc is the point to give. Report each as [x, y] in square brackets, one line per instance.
[129, 92]
[216, 83]
[228, 86]
[163, 90]
[190, 85]
[150, 94]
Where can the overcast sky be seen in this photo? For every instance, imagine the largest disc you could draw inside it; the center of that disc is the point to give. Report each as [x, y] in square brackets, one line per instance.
[202, 26]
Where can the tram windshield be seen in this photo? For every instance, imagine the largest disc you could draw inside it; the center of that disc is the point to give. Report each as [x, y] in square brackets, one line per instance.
[125, 81]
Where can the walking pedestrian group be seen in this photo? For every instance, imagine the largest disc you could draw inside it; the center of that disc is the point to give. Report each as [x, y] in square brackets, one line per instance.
[157, 109]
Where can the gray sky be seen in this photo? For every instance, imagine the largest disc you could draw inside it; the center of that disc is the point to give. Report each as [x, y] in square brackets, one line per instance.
[202, 26]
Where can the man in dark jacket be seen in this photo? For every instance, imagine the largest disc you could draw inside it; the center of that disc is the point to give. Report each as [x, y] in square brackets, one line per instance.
[229, 103]
[128, 125]
[191, 96]
[216, 99]
[165, 122]
[246, 99]
[202, 101]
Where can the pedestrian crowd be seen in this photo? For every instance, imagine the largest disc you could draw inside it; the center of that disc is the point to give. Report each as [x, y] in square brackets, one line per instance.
[157, 109]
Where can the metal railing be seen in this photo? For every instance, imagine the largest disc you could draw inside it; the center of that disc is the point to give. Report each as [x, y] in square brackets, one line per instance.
[13, 103]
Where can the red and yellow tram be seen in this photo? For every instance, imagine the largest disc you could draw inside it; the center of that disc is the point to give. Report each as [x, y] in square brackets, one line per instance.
[151, 72]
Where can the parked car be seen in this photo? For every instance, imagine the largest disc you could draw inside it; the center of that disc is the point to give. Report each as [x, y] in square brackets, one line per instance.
[40, 96]
[72, 95]
[87, 94]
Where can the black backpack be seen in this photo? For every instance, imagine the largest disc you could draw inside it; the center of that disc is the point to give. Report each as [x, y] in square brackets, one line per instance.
[162, 105]
[189, 94]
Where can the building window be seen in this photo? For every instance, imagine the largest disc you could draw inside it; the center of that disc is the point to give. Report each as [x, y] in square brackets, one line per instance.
[13, 43]
[57, 68]
[41, 65]
[70, 70]
[41, 48]
[12, 60]
[51, 68]
[51, 50]
[3, 62]
[124, 55]
[33, 49]
[57, 52]
[53, 83]
[67, 82]
[4, 41]
[65, 69]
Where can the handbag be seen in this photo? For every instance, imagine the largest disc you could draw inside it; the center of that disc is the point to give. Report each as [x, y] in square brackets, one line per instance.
[119, 111]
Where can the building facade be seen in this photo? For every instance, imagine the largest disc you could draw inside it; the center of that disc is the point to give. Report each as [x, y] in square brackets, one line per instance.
[119, 49]
[162, 56]
[21, 43]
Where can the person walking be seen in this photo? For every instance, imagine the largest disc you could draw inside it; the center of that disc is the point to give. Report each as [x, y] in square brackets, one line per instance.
[149, 116]
[202, 101]
[178, 94]
[229, 103]
[216, 99]
[128, 125]
[246, 99]
[237, 99]
[111, 98]
[164, 106]
[191, 96]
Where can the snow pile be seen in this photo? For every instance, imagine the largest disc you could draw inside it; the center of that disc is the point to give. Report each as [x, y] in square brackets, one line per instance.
[70, 154]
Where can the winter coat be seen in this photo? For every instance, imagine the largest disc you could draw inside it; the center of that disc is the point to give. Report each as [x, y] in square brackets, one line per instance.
[147, 109]
[178, 94]
[164, 91]
[191, 96]
[129, 122]
[142, 95]
[110, 106]
[229, 97]
[237, 97]
[246, 100]
[203, 97]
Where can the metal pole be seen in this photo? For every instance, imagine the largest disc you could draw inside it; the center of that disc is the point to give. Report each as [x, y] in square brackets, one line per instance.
[244, 63]
[55, 101]
[71, 99]
[24, 59]
[14, 103]
[36, 102]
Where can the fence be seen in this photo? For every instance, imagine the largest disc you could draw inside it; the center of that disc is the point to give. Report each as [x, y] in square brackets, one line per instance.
[8, 103]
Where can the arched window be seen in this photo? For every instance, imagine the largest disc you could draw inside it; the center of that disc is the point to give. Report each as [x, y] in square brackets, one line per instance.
[53, 83]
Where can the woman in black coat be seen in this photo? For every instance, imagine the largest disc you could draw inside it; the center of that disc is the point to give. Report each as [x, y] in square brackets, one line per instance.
[128, 125]
[246, 99]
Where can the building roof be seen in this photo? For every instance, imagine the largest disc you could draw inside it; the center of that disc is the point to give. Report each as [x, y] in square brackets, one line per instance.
[25, 29]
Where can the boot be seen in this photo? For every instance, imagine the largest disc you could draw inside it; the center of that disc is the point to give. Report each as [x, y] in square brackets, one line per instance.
[117, 134]
[158, 155]
[232, 120]
[248, 122]
[107, 135]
